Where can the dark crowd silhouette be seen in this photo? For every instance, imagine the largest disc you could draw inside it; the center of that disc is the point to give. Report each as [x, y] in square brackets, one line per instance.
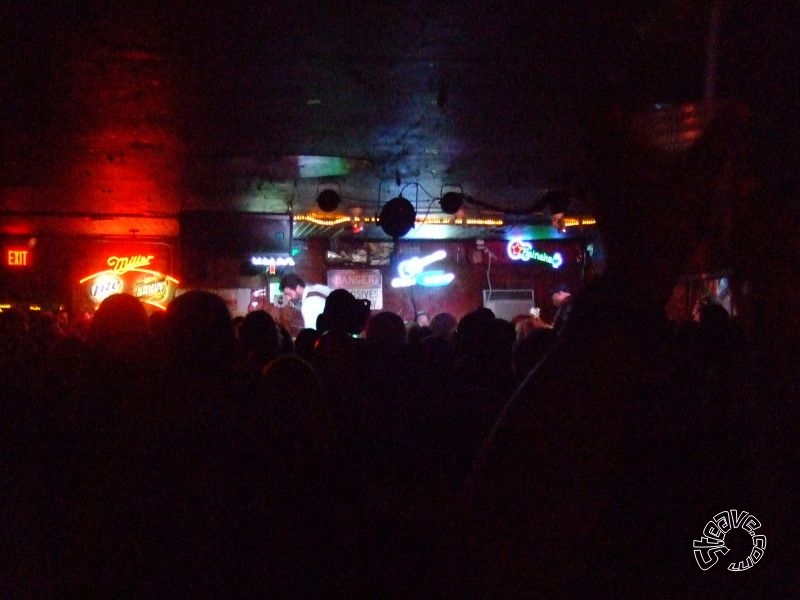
[189, 453]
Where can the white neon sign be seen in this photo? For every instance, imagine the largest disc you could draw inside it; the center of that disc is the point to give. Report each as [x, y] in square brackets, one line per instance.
[412, 272]
[271, 261]
[521, 250]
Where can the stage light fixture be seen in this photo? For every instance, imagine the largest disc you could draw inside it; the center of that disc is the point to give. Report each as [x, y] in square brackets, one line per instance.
[552, 202]
[328, 200]
[397, 217]
[451, 202]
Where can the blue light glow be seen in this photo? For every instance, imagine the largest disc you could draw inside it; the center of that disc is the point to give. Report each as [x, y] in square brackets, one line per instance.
[412, 272]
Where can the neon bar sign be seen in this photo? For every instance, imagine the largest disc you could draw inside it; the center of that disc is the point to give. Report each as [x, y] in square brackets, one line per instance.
[123, 264]
[152, 287]
[521, 250]
[412, 272]
[106, 285]
[126, 264]
[271, 261]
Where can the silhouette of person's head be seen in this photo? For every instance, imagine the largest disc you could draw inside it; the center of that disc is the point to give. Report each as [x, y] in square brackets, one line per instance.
[443, 324]
[474, 329]
[343, 312]
[13, 324]
[304, 343]
[259, 331]
[199, 333]
[386, 330]
[119, 318]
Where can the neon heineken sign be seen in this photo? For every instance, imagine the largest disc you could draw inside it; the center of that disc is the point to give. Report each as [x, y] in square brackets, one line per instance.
[524, 251]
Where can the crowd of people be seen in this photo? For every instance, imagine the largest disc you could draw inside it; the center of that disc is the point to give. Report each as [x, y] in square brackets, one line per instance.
[188, 452]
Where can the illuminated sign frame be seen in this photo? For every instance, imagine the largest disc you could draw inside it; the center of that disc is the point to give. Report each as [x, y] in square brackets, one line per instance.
[518, 249]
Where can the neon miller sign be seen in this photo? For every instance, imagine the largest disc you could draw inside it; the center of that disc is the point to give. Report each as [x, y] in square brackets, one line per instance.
[151, 286]
[524, 251]
[123, 264]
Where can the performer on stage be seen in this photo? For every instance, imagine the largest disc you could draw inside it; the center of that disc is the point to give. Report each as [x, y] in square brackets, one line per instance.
[310, 298]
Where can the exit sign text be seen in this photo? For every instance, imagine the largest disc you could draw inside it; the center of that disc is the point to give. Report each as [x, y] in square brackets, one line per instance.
[18, 257]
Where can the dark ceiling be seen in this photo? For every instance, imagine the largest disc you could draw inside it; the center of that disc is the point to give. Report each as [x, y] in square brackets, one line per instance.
[151, 109]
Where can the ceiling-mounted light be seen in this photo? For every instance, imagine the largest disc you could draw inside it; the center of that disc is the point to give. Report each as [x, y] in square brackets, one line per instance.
[558, 222]
[397, 217]
[552, 202]
[328, 200]
[451, 202]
